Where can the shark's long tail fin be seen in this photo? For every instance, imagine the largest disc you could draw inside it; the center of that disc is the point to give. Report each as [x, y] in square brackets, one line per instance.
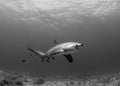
[39, 53]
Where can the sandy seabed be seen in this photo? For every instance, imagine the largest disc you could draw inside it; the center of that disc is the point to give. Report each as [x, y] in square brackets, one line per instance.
[15, 79]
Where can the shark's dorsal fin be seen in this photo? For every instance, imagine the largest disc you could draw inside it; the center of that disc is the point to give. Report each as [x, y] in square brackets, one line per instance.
[55, 42]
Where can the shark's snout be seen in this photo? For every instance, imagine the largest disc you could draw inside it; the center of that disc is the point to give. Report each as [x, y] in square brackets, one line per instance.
[78, 46]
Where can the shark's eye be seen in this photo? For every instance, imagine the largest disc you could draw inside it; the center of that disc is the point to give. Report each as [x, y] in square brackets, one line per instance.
[81, 44]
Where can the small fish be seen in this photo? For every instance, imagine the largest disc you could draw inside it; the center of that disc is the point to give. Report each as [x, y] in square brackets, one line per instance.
[23, 60]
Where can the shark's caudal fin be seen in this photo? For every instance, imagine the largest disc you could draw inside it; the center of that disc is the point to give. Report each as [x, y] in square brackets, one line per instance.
[39, 53]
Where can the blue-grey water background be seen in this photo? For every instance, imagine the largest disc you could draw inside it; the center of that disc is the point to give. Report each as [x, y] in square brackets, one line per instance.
[95, 23]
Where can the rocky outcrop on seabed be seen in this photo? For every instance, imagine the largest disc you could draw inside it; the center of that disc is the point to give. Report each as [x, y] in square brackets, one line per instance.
[13, 79]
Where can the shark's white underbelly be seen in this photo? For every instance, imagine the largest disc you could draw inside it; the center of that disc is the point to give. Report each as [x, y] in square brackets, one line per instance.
[60, 52]
[65, 48]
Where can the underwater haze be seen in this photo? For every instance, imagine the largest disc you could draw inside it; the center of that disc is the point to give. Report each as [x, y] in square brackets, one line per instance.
[95, 23]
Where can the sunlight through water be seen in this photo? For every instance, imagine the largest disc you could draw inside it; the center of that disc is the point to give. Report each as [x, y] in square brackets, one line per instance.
[58, 12]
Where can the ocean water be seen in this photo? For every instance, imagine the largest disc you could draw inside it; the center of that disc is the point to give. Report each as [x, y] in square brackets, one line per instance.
[95, 23]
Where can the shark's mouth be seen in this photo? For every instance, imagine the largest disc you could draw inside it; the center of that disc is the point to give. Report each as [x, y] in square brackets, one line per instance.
[77, 47]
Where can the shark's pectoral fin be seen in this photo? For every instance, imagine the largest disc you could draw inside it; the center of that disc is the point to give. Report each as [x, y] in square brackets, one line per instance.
[69, 57]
